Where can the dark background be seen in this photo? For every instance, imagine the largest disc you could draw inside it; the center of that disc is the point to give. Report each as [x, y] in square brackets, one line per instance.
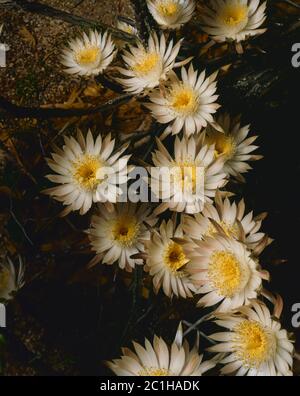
[65, 321]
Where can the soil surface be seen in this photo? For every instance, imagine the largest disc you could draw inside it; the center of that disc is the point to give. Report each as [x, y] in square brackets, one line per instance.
[34, 75]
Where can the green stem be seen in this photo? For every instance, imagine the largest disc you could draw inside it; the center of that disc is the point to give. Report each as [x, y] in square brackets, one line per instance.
[196, 324]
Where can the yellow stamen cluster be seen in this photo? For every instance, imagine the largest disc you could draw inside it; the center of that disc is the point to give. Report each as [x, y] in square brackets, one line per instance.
[87, 56]
[225, 273]
[253, 344]
[189, 175]
[85, 173]
[233, 15]
[174, 257]
[154, 372]
[125, 230]
[147, 64]
[183, 100]
[224, 145]
[168, 8]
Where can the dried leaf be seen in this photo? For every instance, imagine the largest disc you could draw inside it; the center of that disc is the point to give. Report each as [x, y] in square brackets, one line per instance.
[27, 36]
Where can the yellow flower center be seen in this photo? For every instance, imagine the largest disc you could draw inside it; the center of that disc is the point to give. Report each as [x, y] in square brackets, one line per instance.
[225, 273]
[4, 278]
[168, 8]
[184, 100]
[229, 229]
[87, 56]
[147, 64]
[174, 257]
[233, 15]
[128, 29]
[253, 343]
[154, 372]
[224, 145]
[85, 172]
[189, 175]
[125, 230]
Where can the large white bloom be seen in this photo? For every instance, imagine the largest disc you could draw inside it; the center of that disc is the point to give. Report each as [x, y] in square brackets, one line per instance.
[171, 14]
[147, 67]
[233, 19]
[187, 180]
[11, 280]
[166, 262]
[118, 234]
[158, 359]
[255, 343]
[89, 55]
[232, 220]
[225, 272]
[87, 172]
[187, 104]
[234, 145]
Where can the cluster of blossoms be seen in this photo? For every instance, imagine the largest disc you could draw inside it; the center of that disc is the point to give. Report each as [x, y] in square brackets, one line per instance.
[212, 247]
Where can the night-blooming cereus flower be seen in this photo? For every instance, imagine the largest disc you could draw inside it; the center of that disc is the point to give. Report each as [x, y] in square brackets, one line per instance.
[118, 234]
[186, 104]
[233, 19]
[225, 272]
[234, 145]
[147, 67]
[232, 220]
[87, 171]
[189, 179]
[166, 261]
[158, 359]
[89, 55]
[171, 14]
[11, 279]
[254, 342]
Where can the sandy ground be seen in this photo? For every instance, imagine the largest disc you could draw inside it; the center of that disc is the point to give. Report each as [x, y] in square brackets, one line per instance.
[33, 74]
